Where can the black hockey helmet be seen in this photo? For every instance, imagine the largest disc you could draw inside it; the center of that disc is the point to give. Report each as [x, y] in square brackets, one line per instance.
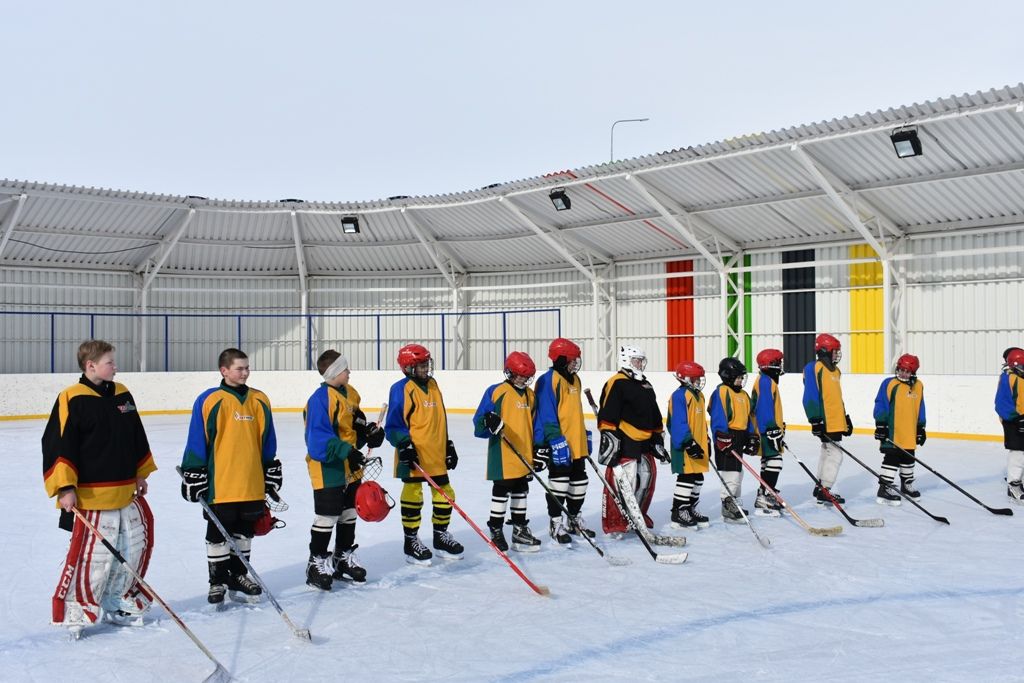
[729, 369]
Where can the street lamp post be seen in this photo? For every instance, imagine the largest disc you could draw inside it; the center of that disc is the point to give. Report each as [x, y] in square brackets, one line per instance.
[612, 150]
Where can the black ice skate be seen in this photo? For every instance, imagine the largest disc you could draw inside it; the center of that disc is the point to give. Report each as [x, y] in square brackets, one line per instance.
[318, 572]
[218, 581]
[498, 535]
[523, 539]
[887, 495]
[702, 521]
[682, 518]
[822, 499]
[558, 533]
[767, 505]
[731, 512]
[416, 552]
[347, 567]
[908, 489]
[577, 526]
[241, 588]
[446, 545]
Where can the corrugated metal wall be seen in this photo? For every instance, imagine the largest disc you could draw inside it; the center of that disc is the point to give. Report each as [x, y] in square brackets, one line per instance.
[961, 312]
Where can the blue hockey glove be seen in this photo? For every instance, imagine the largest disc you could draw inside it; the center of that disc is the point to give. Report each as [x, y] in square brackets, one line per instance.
[560, 455]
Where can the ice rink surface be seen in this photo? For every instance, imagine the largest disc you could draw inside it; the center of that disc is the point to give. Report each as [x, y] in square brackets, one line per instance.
[915, 600]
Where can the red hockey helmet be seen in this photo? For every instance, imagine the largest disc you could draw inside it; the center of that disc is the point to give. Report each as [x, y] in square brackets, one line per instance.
[411, 355]
[690, 374]
[1015, 361]
[908, 362]
[373, 503]
[563, 347]
[826, 342]
[519, 366]
[770, 359]
[266, 522]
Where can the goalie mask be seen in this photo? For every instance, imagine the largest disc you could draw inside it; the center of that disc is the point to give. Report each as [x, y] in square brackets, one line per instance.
[691, 375]
[733, 373]
[519, 369]
[632, 361]
[415, 361]
[565, 352]
[373, 503]
[906, 368]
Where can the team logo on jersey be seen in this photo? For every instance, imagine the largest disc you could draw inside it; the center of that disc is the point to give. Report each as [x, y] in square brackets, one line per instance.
[430, 404]
[522, 405]
[243, 418]
[127, 407]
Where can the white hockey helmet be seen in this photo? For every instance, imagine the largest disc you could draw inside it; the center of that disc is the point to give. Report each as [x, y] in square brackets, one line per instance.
[633, 360]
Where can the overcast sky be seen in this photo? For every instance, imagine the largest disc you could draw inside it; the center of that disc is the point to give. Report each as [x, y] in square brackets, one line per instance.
[347, 101]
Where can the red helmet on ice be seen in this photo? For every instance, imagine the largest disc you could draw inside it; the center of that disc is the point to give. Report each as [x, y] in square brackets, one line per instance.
[770, 359]
[563, 347]
[411, 355]
[1015, 361]
[373, 503]
[691, 374]
[519, 366]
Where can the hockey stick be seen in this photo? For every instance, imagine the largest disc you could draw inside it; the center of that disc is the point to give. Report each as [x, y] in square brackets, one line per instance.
[764, 541]
[538, 589]
[220, 674]
[905, 497]
[627, 504]
[812, 530]
[994, 511]
[873, 522]
[615, 561]
[302, 633]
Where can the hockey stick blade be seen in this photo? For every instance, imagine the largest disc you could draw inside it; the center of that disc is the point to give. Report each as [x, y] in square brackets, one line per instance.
[675, 558]
[873, 522]
[219, 675]
[825, 531]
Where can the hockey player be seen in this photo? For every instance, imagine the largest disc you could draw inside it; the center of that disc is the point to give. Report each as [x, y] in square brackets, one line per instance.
[336, 429]
[771, 428]
[824, 407]
[96, 458]
[560, 432]
[231, 436]
[508, 410]
[1010, 409]
[899, 424]
[417, 426]
[631, 436]
[733, 426]
[688, 427]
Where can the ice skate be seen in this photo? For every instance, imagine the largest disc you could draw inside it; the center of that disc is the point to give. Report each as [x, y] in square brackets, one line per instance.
[908, 489]
[682, 518]
[822, 499]
[318, 572]
[123, 618]
[731, 512]
[347, 567]
[577, 526]
[1015, 492]
[523, 540]
[558, 533]
[702, 521]
[241, 588]
[498, 535]
[766, 505]
[446, 545]
[887, 495]
[416, 552]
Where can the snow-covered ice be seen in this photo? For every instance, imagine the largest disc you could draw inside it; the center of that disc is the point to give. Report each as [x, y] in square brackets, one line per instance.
[915, 600]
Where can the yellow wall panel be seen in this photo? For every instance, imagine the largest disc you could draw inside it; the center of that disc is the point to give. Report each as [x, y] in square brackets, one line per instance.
[866, 342]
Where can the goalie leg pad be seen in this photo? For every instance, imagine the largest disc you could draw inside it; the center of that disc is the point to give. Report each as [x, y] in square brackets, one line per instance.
[612, 521]
[135, 543]
[646, 478]
[68, 606]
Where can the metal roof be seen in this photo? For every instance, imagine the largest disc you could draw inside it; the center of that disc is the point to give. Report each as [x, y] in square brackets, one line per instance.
[795, 186]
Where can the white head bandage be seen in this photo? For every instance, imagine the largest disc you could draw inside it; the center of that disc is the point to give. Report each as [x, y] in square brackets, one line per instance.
[337, 367]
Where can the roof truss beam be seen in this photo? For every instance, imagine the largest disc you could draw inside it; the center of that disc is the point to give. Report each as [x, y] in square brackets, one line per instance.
[559, 248]
[432, 248]
[164, 250]
[9, 221]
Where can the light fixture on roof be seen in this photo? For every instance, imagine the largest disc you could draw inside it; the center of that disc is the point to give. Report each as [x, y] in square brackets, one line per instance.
[906, 142]
[560, 199]
[350, 225]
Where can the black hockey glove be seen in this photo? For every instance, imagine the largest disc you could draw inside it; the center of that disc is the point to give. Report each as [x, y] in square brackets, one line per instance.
[451, 458]
[374, 435]
[359, 427]
[849, 426]
[818, 429]
[1019, 420]
[775, 437]
[658, 448]
[882, 431]
[493, 422]
[752, 445]
[723, 441]
[195, 482]
[273, 476]
[693, 449]
[541, 458]
[356, 460]
[609, 453]
[922, 436]
[408, 456]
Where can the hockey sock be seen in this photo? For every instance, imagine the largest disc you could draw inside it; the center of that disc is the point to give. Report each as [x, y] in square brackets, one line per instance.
[346, 529]
[906, 473]
[682, 492]
[560, 486]
[519, 502]
[320, 534]
[733, 484]
[577, 493]
[217, 555]
[771, 468]
[442, 509]
[411, 502]
[499, 503]
[1014, 465]
[235, 564]
[828, 464]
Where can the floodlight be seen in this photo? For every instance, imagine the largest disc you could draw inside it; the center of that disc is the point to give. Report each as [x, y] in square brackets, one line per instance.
[560, 199]
[350, 225]
[906, 143]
